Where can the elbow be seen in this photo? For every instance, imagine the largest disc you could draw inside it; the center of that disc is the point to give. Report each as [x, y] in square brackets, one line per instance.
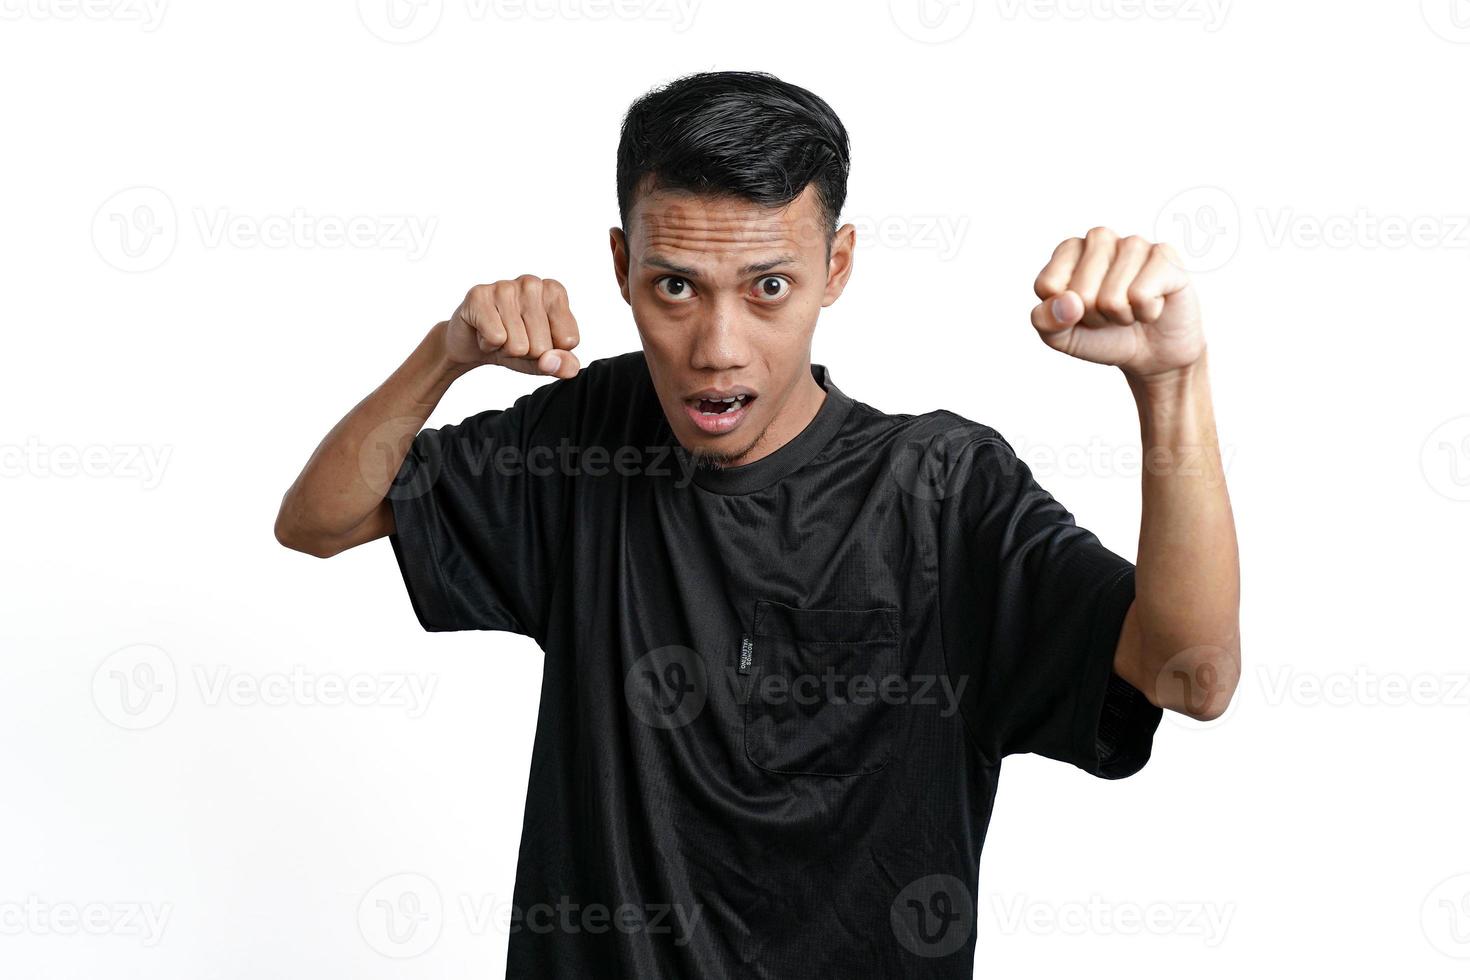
[1201, 681]
[290, 535]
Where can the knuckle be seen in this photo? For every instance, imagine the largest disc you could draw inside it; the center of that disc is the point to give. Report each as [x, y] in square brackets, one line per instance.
[1113, 304]
[1101, 233]
[503, 290]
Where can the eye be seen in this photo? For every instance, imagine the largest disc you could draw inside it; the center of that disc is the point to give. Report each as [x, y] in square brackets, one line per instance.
[678, 288]
[773, 287]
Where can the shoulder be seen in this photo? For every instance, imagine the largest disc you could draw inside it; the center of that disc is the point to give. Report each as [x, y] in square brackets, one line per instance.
[941, 432]
[940, 457]
[601, 385]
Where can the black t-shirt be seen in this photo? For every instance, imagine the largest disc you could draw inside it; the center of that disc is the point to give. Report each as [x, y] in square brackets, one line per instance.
[776, 696]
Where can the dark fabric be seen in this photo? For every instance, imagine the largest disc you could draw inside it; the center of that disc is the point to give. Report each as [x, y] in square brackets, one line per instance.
[776, 697]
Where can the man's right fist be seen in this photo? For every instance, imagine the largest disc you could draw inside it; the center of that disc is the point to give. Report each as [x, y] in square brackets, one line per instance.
[524, 324]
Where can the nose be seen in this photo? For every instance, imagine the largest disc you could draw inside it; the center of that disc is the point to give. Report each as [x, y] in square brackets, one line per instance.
[720, 344]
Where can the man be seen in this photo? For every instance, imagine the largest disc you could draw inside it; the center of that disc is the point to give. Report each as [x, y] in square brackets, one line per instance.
[789, 638]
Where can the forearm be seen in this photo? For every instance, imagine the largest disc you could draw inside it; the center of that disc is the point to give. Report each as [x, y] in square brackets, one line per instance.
[1187, 597]
[339, 499]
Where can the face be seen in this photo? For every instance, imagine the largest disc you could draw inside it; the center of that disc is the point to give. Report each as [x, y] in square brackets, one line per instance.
[725, 295]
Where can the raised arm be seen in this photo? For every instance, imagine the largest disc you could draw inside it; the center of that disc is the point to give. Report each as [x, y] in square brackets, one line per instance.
[1127, 302]
[340, 500]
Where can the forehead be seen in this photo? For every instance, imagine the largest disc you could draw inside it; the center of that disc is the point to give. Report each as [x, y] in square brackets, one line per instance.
[715, 232]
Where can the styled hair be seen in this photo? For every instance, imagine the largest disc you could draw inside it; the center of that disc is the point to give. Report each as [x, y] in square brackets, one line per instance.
[745, 134]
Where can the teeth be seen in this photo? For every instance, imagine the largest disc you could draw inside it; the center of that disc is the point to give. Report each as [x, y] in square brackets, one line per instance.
[737, 401]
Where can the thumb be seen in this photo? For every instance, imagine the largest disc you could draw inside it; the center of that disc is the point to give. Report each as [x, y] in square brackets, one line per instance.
[1062, 312]
[559, 363]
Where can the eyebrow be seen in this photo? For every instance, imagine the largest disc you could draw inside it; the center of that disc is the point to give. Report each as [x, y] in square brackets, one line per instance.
[659, 262]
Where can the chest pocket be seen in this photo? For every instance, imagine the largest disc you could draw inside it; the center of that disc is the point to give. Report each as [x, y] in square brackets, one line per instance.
[819, 694]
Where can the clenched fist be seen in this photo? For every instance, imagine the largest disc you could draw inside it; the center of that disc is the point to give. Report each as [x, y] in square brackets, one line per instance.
[1120, 301]
[524, 324]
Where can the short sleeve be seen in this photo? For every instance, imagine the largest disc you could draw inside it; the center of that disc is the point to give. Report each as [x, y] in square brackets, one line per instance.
[1033, 606]
[478, 509]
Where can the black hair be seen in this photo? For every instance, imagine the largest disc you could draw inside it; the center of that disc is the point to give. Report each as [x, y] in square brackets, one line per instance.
[745, 134]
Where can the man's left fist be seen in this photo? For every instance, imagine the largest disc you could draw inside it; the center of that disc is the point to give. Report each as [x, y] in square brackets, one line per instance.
[1120, 301]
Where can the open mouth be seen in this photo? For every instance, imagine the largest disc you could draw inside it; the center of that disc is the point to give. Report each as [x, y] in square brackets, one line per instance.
[717, 415]
[720, 406]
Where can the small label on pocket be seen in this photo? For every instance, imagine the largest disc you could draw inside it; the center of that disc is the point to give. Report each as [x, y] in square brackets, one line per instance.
[747, 654]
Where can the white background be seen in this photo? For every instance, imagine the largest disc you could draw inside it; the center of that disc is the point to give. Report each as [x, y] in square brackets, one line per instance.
[171, 359]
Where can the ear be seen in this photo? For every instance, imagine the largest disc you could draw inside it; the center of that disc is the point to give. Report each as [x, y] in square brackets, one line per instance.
[619, 243]
[839, 266]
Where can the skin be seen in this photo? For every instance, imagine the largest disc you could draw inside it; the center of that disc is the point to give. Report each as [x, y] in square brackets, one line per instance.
[726, 294]
[1126, 302]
